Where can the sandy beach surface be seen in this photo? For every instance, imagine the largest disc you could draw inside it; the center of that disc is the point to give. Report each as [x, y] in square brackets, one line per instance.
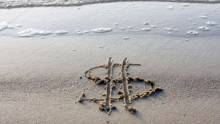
[45, 51]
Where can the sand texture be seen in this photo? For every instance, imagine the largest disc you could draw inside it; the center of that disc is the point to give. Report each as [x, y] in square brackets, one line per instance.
[40, 74]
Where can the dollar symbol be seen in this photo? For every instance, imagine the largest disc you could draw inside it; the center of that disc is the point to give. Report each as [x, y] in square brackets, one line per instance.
[106, 100]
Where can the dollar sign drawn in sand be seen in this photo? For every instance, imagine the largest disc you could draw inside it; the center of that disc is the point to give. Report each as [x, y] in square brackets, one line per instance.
[126, 95]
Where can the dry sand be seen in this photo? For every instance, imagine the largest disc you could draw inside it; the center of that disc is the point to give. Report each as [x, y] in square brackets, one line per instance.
[40, 78]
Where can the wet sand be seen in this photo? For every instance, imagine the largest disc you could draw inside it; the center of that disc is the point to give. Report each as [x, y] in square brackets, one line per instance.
[40, 77]
[40, 80]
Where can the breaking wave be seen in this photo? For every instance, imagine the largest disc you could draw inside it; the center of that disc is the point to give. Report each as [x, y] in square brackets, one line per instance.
[38, 3]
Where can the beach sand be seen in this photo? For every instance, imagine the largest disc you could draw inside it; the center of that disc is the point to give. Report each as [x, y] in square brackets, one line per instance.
[40, 75]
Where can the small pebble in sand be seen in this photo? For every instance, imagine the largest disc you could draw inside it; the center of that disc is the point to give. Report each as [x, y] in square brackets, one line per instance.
[203, 28]
[192, 32]
[211, 23]
[131, 109]
[130, 87]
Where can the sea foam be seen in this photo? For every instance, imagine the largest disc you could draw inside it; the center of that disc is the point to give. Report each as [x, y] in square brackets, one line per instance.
[211, 23]
[5, 25]
[101, 30]
[36, 3]
[30, 32]
[203, 28]
[192, 32]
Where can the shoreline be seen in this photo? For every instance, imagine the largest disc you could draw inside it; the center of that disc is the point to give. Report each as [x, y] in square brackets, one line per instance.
[178, 22]
[103, 2]
[40, 75]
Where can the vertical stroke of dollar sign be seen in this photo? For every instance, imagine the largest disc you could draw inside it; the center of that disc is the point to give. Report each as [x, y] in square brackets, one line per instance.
[106, 100]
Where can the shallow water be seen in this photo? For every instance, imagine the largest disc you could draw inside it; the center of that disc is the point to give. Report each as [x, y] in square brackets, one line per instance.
[125, 18]
[33, 3]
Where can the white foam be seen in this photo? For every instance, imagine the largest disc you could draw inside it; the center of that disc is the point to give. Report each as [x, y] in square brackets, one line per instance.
[203, 28]
[185, 5]
[33, 32]
[60, 32]
[32, 3]
[5, 25]
[116, 24]
[170, 7]
[126, 38]
[203, 17]
[102, 30]
[82, 32]
[122, 28]
[153, 26]
[170, 29]
[192, 32]
[146, 29]
[130, 27]
[211, 23]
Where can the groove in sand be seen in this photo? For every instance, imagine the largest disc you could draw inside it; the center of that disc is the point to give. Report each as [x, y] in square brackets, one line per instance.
[105, 103]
